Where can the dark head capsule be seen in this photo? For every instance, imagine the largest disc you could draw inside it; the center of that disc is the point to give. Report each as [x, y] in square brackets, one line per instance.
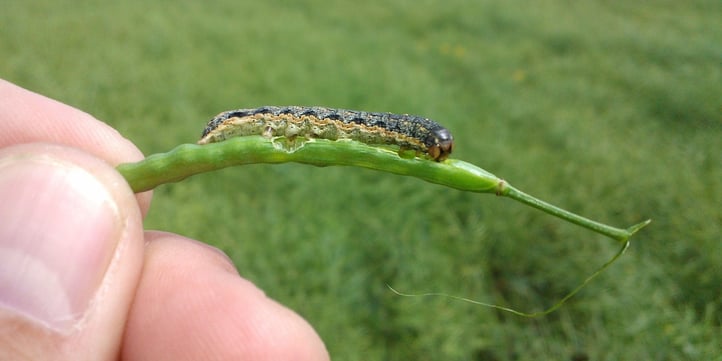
[439, 144]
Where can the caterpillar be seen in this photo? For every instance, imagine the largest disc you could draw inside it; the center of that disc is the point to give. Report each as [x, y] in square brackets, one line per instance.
[408, 132]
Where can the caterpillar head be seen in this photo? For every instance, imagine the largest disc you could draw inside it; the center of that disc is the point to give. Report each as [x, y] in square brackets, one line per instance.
[440, 144]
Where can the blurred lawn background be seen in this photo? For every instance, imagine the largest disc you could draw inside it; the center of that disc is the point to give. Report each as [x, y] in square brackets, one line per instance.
[611, 109]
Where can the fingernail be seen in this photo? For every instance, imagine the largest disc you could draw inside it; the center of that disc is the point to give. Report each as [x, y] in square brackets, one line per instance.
[58, 231]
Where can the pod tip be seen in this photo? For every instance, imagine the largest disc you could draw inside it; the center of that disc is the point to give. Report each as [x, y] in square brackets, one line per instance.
[635, 228]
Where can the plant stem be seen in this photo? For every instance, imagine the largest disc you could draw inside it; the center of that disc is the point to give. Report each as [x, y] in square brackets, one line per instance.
[613, 232]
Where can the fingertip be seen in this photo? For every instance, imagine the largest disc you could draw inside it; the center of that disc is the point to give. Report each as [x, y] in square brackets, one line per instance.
[192, 304]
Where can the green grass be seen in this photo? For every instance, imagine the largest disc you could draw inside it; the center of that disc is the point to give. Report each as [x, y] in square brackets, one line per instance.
[610, 109]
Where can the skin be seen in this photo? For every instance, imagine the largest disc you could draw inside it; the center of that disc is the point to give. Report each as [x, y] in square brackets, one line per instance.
[152, 295]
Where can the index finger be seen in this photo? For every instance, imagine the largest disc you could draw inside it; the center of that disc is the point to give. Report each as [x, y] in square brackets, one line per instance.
[27, 117]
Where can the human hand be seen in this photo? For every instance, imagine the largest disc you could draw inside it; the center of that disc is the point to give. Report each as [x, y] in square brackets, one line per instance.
[81, 280]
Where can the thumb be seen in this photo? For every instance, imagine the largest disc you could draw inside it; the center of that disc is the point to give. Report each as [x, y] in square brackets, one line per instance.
[70, 254]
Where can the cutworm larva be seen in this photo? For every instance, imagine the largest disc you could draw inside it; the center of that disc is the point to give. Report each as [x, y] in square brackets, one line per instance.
[408, 132]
